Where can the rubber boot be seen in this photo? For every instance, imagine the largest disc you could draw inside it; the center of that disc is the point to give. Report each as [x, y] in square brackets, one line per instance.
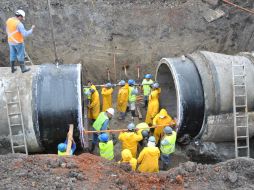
[133, 114]
[13, 69]
[146, 104]
[23, 67]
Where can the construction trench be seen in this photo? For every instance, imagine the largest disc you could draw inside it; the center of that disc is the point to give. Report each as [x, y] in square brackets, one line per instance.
[196, 89]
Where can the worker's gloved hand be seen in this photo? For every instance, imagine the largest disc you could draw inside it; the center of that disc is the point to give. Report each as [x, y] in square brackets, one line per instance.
[113, 136]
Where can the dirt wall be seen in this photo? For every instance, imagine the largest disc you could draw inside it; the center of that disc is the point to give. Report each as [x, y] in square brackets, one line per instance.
[138, 32]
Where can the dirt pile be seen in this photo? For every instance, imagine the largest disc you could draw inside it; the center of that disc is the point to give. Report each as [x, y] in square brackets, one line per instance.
[87, 171]
[232, 174]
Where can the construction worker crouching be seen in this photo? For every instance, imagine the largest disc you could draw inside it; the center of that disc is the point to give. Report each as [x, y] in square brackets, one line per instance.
[133, 91]
[16, 33]
[167, 146]
[101, 123]
[122, 99]
[106, 147]
[146, 86]
[153, 104]
[130, 139]
[62, 147]
[144, 129]
[149, 157]
[94, 106]
[106, 93]
[127, 158]
[161, 120]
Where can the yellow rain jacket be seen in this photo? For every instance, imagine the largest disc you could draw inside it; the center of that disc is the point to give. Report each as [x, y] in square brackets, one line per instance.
[130, 141]
[127, 158]
[162, 122]
[122, 98]
[153, 105]
[149, 160]
[106, 98]
[94, 107]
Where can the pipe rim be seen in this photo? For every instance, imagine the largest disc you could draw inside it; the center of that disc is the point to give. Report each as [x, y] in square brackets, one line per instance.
[168, 63]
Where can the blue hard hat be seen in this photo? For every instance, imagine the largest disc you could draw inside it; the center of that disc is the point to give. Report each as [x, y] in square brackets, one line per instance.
[148, 76]
[92, 90]
[152, 139]
[145, 133]
[156, 85]
[122, 83]
[131, 126]
[131, 82]
[108, 85]
[62, 147]
[168, 130]
[103, 137]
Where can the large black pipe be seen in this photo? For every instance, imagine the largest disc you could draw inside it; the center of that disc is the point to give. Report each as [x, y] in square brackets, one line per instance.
[56, 102]
[182, 93]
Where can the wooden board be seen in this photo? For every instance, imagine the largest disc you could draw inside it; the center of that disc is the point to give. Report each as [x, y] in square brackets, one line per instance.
[70, 136]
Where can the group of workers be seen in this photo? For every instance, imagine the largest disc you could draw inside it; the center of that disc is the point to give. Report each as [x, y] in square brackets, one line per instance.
[154, 139]
[137, 137]
[126, 99]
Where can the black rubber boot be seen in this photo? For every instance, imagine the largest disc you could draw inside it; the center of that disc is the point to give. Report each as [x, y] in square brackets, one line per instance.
[13, 69]
[146, 104]
[133, 113]
[23, 67]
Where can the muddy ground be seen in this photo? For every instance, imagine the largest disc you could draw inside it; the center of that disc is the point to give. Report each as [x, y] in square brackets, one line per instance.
[87, 171]
[139, 32]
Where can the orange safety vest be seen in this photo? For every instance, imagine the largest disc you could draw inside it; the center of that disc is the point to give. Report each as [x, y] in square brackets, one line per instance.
[14, 35]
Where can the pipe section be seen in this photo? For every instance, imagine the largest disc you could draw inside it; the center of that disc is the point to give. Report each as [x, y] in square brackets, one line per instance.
[50, 99]
[198, 90]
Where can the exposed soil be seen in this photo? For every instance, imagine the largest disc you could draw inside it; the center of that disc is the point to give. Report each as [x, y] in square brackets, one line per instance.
[139, 32]
[87, 171]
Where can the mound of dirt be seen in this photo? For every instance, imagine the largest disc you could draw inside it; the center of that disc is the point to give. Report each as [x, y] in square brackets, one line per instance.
[232, 174]
[87, 171]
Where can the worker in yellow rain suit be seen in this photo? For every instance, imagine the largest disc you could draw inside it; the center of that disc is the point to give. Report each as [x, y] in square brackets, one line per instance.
[149, 157]
[106, 93]
[127, 158]
[153, 104]
[130, 139]
[122, 99]
[94, 106]
[144, 129]
[162, 119]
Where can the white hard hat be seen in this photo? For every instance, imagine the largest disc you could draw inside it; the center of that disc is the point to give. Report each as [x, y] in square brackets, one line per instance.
[21, 12]
[111, 111]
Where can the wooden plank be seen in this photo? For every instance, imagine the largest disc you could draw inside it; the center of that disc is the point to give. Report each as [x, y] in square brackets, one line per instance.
[139, 112]
[70, 137]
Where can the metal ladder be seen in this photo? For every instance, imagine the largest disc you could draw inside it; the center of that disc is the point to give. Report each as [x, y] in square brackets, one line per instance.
[28, 59]
[240, 111]
[18, 124]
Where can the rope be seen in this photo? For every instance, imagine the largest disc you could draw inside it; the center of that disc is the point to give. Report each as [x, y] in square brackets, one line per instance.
[124, 130]
[52, 32]
[238, 7]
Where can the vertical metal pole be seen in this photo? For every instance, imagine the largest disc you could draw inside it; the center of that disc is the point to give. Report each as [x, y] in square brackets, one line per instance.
[114, 62]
